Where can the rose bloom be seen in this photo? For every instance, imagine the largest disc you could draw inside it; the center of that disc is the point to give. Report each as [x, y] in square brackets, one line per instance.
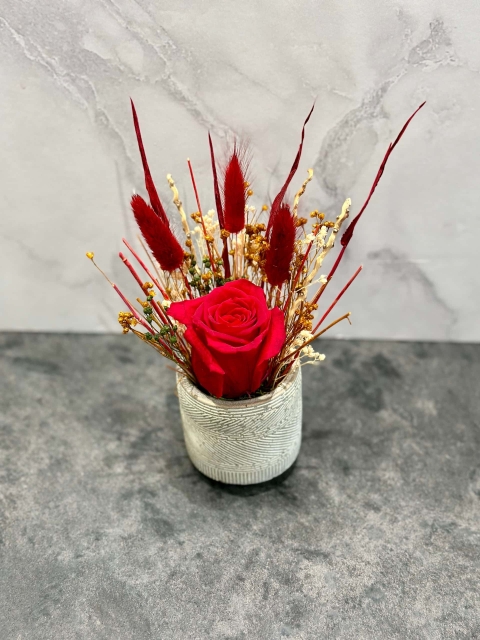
[233, 334]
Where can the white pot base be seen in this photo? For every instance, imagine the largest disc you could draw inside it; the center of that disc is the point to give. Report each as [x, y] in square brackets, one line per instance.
[245, 477]
[243, 441]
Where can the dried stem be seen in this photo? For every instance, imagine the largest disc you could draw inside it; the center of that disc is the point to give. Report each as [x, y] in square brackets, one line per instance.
[327, 312]
[346, 316]
[200, 212]
[178, 203]
[144, 267]
[300, 193]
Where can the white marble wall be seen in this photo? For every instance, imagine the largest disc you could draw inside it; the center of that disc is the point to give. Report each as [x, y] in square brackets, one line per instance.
[69, 160]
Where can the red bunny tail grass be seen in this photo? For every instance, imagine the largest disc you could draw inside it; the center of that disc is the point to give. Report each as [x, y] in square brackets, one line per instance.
[277, 203]
[281, 240]
[235, 192]
[151, 190]
[158, 235]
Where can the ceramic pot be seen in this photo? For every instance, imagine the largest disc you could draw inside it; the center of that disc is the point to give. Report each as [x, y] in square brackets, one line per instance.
[243, 441]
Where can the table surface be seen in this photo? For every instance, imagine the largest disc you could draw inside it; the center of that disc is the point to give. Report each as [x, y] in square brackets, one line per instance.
[108, 532]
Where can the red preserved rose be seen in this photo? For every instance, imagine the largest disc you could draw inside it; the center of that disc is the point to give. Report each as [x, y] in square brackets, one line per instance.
[233, 335]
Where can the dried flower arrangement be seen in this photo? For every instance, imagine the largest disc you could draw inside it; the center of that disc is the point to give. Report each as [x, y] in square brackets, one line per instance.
[235, 313]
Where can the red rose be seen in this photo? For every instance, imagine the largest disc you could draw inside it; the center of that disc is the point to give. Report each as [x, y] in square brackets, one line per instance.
[233, 334]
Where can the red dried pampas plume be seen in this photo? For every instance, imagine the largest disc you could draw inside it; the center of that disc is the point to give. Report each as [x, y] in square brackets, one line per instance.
[235, 187]
[281, 240]
[158, 235]
[277, 203]
[219, 205]
[151, 190]
[216, 189]
[348, 233]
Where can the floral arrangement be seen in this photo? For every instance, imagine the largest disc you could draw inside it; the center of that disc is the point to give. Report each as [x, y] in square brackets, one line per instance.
[229, 304]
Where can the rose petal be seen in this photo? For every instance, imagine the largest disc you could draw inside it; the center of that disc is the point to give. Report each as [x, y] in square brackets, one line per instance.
[184, 311]
[248, 288]
[275, 339]
[233, 335]
[206, 329]
[235, 310]
[239, 364]
[208, 372]
[215, 342]
[228, 318]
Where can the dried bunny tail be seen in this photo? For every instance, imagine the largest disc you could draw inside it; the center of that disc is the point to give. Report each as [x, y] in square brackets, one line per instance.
[235, 186]
[281, 240]
[281, 194]
[158, 235]
[151, 190]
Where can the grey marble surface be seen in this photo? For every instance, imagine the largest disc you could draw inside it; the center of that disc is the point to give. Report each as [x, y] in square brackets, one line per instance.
[251, 68]
[109, 533]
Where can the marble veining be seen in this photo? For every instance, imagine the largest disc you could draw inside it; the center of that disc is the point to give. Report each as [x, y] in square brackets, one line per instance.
[253, 69]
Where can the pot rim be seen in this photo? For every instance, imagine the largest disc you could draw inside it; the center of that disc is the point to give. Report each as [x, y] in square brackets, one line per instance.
[224, 403]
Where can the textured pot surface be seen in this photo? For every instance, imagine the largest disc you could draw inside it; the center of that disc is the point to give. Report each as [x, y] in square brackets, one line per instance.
[243, 441]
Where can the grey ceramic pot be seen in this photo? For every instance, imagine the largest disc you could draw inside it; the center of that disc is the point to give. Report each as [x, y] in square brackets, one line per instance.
[243, 441]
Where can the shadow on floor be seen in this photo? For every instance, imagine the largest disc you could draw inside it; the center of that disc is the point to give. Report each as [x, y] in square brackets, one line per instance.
[246, 490]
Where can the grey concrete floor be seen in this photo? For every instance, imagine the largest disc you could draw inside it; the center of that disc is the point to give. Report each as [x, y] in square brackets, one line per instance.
[108, 532]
